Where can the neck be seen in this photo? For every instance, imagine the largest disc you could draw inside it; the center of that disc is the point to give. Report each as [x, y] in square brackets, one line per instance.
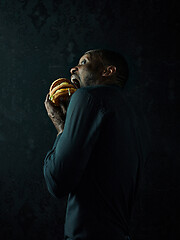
[107, 81]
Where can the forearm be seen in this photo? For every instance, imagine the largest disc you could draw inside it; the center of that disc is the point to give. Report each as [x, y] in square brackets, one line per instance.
[59, 125]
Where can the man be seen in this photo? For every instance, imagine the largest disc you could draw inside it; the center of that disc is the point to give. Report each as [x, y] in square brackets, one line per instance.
[96, 157]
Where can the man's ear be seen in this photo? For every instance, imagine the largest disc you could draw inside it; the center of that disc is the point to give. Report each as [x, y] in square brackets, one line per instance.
[110, 70]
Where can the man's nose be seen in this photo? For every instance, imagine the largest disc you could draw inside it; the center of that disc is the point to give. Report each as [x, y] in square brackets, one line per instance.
[73, 70]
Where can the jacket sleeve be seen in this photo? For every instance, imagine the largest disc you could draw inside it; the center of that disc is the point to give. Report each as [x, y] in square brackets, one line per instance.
[65, 164]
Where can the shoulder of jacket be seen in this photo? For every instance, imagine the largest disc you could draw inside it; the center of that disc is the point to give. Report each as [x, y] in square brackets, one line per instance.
[88, 91]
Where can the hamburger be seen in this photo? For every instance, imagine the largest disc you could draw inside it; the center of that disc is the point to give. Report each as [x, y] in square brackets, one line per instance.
[61, 88]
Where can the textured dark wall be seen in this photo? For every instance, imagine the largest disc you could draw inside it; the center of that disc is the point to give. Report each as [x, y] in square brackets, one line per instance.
[39, 42]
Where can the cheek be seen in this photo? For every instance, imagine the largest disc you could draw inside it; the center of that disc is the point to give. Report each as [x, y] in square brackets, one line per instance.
[84, 71]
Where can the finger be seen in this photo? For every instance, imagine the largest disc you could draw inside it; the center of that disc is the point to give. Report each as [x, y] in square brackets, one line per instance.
[63, 101]
[47, 97]
[48, 104]
[65, 105]
[48, 101]
[63, 108]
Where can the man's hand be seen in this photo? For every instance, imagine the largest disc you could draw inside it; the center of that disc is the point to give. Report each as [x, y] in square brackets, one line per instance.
[56, 114]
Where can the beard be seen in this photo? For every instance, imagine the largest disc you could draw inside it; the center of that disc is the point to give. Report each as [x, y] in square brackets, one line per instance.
[91, 79]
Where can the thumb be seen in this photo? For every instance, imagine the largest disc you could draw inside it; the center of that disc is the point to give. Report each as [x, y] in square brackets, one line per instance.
[63, 108]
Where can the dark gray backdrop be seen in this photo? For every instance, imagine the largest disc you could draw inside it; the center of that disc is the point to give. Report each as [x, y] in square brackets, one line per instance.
[39, 42]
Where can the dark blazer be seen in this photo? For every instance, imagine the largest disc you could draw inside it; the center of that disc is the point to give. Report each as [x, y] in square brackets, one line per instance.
[98, 161]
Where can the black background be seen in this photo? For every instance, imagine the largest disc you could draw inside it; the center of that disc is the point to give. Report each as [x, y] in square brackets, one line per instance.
[39, 42]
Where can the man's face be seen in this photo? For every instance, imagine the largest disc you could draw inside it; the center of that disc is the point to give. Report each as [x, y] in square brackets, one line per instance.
[88, 72]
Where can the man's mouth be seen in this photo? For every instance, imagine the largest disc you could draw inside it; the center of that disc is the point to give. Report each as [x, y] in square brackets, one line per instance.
[75, 81]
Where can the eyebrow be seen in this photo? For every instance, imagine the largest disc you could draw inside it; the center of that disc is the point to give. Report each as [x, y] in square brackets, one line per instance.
[83, 57]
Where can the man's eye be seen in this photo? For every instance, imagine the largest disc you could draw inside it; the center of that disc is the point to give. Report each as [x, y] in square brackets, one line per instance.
[83, 62]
